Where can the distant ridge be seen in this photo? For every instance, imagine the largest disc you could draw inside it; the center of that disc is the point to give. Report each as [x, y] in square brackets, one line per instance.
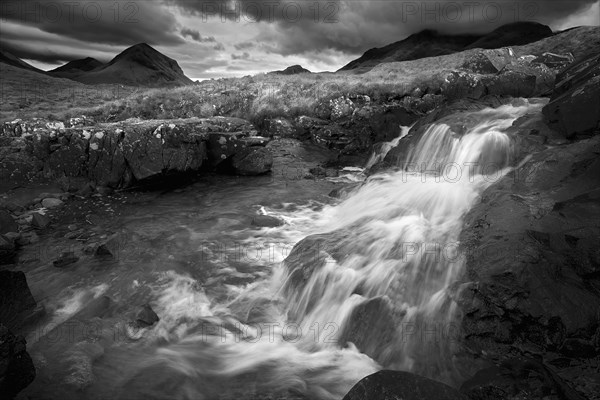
[430, 43]
[292, 70]
[76, 68]
[7, 58]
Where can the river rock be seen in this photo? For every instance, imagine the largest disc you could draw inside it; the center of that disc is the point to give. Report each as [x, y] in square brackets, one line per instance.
[395, 385]
[266, 221]
[39, 221]
[146, 317]
[16, 367]
[252, 161]
[7, 222]
[66, 258]
[109, 248]
[372, 328]
[51, 202]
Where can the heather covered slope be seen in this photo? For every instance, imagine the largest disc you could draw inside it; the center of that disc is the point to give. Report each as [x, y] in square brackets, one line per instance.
[9, 59]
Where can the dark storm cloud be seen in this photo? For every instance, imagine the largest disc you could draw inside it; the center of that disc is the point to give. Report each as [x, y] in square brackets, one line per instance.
[195, 35]
[351, 26]
[107, 22]
[50, 57]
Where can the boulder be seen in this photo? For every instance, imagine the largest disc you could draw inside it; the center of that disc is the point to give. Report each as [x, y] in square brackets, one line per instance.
[555, 61]
[16, 366]
[490, 61]
[7, 223]
[280, 128]
[530, 261]
[574, 108]
[222, 146]
[395, 385]
[16, 300]
[7, 250]
[252, 161]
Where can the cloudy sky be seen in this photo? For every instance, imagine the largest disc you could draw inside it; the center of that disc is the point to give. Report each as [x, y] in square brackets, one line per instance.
[219, 38]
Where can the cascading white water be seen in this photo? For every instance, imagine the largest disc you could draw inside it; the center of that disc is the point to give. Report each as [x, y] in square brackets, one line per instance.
[395, 238]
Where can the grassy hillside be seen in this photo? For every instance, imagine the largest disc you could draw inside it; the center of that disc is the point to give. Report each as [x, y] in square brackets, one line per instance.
[27, 94]
[254, 98]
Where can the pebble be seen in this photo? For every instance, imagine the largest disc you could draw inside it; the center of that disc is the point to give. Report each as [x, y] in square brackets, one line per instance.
[51, 202]
[65, 259]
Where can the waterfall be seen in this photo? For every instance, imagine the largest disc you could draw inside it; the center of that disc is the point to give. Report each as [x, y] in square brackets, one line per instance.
[367, 290]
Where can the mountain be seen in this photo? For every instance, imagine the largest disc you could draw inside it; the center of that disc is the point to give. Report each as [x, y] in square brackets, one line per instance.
[430, 43]
[139, 65]
[7, 58]
[515, 34]
[76, 68]
[427, 43]
[294, 69]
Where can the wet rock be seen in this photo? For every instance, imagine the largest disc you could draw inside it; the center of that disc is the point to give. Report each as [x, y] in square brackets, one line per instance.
[16, 366]
[19, 168]
[146, 317]
[252, 161]
[307, 125]
[556, 61]
[7, 223]
[371, 327]
[518, 378]
[574, 108]
[509, 82]
[51, 202]
[394, 385]
[7, 250]
[104, 190]
[16, 300]
[266, 221]
[28, 238]
[342, 192]
[281, 128]
[66, 258]
[578, 348]
[109, 248]
[528, 257]
[490, 61]
[39, 221]
[384, 122]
